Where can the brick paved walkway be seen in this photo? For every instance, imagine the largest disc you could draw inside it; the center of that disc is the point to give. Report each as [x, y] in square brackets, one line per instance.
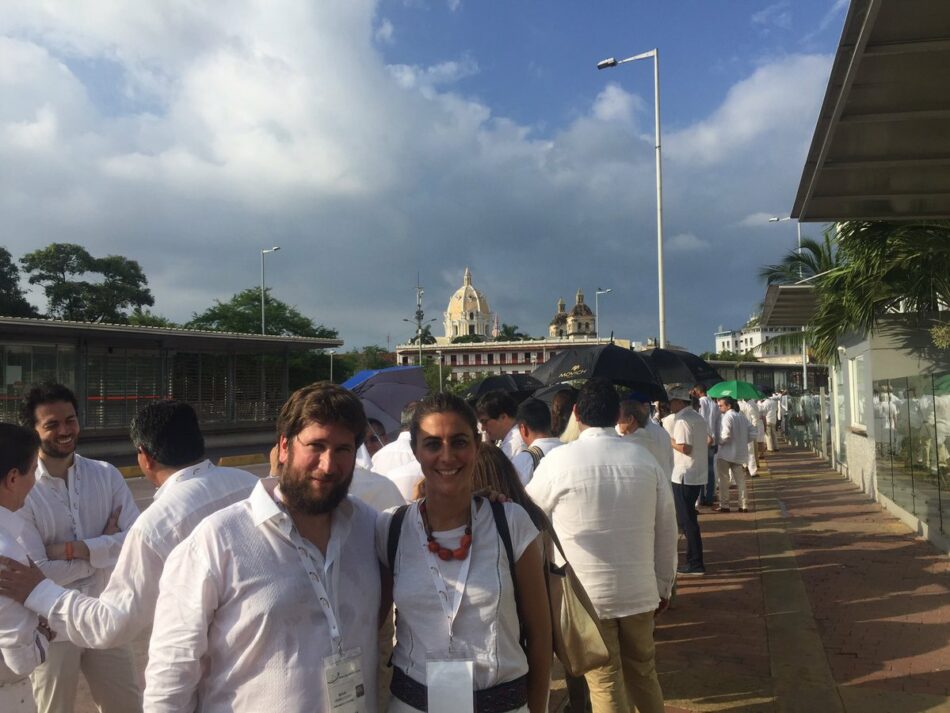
[816, 601]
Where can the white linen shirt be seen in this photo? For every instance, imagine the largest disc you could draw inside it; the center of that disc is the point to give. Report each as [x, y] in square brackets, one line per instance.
[376, 490]
[524, 463]
[22, 647]
[239, 626]
[689, 428]
[512, 444]
[78, 508]
[655, 439]
[612, 508]
[406, 477]
[127, 605]
[393, 455]
[709, 410]
[487, 625]
[734, 437]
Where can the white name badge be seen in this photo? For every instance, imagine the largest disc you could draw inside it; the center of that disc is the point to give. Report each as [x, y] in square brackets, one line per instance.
[451, 685]
[345, 689]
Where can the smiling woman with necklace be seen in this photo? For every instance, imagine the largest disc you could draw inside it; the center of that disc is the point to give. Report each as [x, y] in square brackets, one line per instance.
[457, 593]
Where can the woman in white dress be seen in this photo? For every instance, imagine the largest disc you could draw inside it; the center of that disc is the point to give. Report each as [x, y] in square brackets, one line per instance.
[457, 593]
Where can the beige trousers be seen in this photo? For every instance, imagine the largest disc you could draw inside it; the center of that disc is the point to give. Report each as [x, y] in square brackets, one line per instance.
[110, 674]
[628, 682]
[17, 697]
[723, 469]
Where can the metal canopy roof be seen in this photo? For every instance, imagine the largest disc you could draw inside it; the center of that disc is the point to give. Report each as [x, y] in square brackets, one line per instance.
[167, 337]
[881, 148]
[789, 306]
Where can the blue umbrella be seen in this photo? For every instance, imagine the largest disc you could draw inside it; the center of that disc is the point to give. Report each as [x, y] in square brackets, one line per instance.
[385, 392]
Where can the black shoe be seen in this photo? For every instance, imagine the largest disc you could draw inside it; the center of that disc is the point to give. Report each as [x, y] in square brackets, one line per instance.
[691, 570]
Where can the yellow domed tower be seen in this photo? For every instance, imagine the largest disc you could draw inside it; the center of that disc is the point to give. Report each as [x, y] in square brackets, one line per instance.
[468, 312]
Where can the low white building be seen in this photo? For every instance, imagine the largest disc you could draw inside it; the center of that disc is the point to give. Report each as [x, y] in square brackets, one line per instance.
[763, 343]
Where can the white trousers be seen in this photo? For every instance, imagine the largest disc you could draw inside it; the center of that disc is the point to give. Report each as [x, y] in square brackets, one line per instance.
[752, 465]
[770, 437]
[110, 674]
[723, 470]
[17, 697]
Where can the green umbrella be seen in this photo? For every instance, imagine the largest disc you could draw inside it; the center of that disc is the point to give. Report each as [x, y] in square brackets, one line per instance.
[736, 389]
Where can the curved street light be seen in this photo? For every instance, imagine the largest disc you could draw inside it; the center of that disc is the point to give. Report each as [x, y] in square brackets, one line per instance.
[607, 64]
[597, 295]
[263, 291]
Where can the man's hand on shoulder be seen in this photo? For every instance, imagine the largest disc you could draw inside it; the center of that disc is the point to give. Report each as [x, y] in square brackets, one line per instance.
[18, 580]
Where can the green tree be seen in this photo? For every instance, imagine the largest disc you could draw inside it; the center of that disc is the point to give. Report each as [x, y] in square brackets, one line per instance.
[882, 268]
[13, 301]
[83, 288]
[468, 339]
[815, 258]
[242, 314]
[146, 318]
[510, 333]
[426, 335]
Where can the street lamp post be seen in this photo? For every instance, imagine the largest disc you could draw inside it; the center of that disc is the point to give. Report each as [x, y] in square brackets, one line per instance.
[439, 352]
[798, 228]
[263, 291]
[611, 62]
[331, 352]
[597, 295]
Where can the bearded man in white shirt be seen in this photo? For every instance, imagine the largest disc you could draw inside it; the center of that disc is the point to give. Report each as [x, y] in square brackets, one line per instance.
[612, 507]
[497, 412]
[733, 452]
[170, 450]
[272, 604]
[77, 514]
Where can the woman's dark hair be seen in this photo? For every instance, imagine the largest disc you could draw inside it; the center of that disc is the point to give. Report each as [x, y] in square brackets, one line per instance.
[733, 404]
[561, 407]
[494, 471]
[18, 447]
[46, 393]
[441, 403]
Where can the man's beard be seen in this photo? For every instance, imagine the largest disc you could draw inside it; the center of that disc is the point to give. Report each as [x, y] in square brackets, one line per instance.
[295, 489]
[51, 450]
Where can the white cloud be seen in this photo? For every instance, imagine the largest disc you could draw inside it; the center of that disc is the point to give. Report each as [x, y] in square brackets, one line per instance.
[280, 123]
[685, 242]
[454, 5]
[775, 15]
[385, 32]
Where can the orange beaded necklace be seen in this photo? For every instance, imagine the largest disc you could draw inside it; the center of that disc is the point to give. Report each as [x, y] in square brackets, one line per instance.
[444, 553]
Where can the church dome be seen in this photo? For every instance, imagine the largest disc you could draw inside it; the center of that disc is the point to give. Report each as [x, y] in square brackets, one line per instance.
[580, 309]
[468, 313]
[467, 302]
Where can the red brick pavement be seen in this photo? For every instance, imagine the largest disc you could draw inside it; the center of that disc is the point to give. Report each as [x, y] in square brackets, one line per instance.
[880, 596]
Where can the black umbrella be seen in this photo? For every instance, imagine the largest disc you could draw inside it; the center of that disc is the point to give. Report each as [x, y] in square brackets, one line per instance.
[520, 386]
[676, 366]
[606, 361]
[547, 393]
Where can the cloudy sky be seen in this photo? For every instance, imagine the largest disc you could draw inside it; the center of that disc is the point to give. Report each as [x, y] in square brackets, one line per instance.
[376, 140]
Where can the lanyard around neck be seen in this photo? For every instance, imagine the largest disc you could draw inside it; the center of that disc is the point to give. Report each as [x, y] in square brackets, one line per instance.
[449, 608]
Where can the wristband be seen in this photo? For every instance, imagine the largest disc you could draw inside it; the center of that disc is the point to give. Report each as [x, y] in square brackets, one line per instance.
[69, 551]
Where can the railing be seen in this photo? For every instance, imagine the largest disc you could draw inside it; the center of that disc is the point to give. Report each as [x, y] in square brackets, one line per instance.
[912, 445]
[808, 422]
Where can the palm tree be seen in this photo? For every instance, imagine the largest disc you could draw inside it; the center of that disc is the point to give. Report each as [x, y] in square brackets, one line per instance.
[882, 268]
[813, 259]
[510, 333]
[425, 335]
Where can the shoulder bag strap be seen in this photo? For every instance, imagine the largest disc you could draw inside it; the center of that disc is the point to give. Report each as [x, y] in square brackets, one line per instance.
[392, 542]
[501, 524]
